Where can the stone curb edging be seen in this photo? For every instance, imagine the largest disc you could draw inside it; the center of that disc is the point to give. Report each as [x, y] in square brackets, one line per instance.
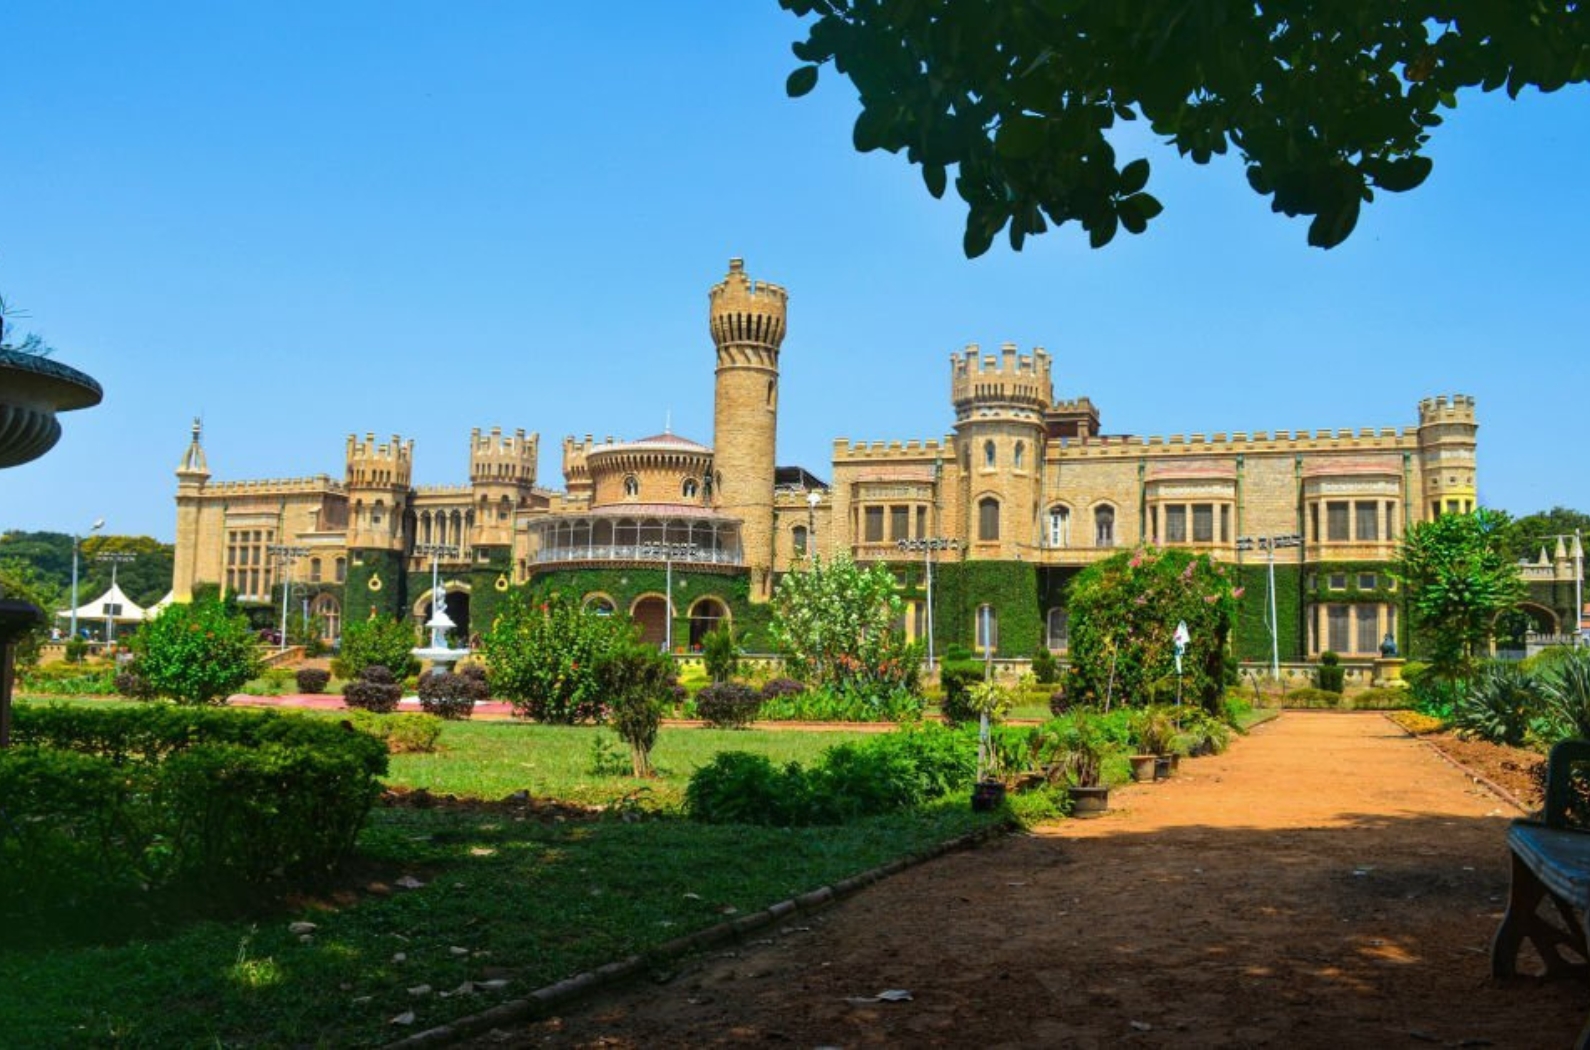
[1479, 778]
[541, 1002]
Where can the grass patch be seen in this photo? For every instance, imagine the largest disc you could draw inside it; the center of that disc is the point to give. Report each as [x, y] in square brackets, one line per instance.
[518, 900]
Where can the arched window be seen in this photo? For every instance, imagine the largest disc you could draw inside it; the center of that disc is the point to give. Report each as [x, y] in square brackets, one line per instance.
[988, 518]
[504, 508]
[706, 486]
[632, 486]
[989, 454]
[689, 489]
[987, 628]
[1104, 527]
[600, 604]
[1019, 457]
[1059, 629]
[1059, 526]
[799, 539]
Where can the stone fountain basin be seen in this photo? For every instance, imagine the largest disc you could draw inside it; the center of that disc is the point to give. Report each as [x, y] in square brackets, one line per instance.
[32, 390]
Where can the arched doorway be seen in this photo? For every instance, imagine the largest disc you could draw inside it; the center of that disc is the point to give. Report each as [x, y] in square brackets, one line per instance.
[705, 615]
[456, 602]
[329, 611]
[651, 617]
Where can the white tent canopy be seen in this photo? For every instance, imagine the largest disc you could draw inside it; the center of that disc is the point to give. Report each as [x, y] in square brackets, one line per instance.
[113, 605]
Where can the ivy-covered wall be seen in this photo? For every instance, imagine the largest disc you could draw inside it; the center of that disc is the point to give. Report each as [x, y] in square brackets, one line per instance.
[389, 597]
[1250, 637]
[624, 585]
[1011, 587]
[489, 583]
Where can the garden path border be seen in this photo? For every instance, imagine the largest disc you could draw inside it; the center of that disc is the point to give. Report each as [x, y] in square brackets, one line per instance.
[541, 1002]
[1479, 778]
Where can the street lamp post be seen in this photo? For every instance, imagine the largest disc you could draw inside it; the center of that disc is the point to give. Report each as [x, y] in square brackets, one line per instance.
[927, 546]
[286, 554]
[1268, 544]
[116, 559]
[813, 497]
[668, 550]
[77, 541]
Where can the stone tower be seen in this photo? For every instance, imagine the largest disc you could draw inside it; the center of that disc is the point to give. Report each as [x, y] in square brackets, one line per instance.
[999, 426]
[747, 321]
[193, 473]
[502, 472]
[378, 485]
[1447, 430]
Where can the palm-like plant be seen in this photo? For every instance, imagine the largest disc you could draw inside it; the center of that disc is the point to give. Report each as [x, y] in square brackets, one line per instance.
[1498, 704]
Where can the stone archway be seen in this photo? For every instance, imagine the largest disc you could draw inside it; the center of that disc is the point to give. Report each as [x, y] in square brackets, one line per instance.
[705, 615]
[650, 613]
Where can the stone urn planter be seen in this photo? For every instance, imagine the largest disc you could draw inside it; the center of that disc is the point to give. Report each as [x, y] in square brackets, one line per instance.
[1143, 767]
[32, 390]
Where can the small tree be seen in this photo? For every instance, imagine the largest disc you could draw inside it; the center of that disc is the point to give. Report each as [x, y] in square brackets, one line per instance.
[1459, 577]
[546, 657]
[195, 654]
[835, 624]
[721, 653]
[1124, 612]
[381, 641]
[638, 681]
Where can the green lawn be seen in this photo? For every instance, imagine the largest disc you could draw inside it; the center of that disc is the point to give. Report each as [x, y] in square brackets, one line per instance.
[502, 898]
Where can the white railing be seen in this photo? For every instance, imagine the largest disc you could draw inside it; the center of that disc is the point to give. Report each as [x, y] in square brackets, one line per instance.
[634, 552]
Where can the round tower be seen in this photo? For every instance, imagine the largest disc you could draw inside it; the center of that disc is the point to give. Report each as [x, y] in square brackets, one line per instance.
[747, 322]
[999, 426]
[1447, 430]
[193, 473]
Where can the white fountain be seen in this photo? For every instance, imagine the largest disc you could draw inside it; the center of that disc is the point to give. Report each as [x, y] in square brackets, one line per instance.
[442, 657]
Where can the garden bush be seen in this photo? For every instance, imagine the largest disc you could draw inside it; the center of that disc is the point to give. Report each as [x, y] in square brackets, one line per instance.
[1379, 699]
[1567, 698]
[546, 658]
[841, 704]
[728, 705]
[777, 688]
[1330, 675]
[1044, 667]
[721, 653]
[957, 678]
[638, 681]
[401, 733]
[380, 641]
[104, 802]
[1498, 704]
[131, 685]
[1059, 704]
[196, 653]
[448, 695]
[374, 690]
[64, 679]
[1311, 697]
[312, 680]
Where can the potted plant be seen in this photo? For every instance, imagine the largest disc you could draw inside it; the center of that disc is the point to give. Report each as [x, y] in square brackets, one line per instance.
[1154, 732]
[991, 702]
[1074, 749]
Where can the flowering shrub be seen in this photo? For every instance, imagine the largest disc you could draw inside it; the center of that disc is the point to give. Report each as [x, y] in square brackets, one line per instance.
[195, 653]
[834, 623]
[1124, 612]
[545, 658]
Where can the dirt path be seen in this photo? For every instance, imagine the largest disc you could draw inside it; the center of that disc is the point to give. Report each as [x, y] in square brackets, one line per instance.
[1326, 883]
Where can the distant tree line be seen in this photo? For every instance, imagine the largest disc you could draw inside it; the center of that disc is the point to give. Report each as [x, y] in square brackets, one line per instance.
[45, 560]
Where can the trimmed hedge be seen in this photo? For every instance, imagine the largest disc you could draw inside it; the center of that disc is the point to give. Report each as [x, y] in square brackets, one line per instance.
[728, 705]
[100, 804]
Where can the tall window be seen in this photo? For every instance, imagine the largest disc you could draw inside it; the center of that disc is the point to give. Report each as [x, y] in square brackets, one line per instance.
[632, 486]
[1019, 456]
[800, 539]
[1336, 525]
[872, 521]
[688, 489]
[1059, 526]
[1368, 617]
[1368, 524]
[988, 518]
[899, 523]
[1104, 527]
[314, 570]
[989, 456]
[1175, 523]
[342, 570]
[987, 628]
[1337, 633]
[1059, 629]
[1203, 523]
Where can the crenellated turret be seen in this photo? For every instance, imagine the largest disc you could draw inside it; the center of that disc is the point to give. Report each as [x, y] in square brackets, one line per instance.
[1447, 442]
[1000, 429]
[378, 481]
[747, 320]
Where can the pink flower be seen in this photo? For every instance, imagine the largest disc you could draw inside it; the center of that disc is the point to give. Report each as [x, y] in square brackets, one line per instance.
[1137, 558]
[1210, 599]
[1237, 592]
[1187, 573]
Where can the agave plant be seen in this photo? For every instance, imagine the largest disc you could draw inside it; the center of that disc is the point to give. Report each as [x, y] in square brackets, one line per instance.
[1499, 704]
[1567, 693]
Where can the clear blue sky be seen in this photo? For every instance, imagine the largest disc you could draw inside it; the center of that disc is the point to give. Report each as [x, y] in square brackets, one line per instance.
[309, 219]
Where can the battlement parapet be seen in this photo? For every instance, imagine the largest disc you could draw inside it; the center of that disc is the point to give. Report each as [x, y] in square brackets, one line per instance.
[517, 445]
[1011, 379]
[745, 311]
[846, 450]
[1456, 408]
[384, 465]
[1260, 441]
[274, 486]
[466, 492]
[395, 451]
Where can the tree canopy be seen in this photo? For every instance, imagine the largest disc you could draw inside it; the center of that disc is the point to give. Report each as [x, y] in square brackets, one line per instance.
[145, 579]
[1325, 103]
[1459, 576]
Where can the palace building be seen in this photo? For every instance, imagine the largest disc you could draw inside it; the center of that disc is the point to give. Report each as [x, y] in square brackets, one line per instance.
[1021, 494]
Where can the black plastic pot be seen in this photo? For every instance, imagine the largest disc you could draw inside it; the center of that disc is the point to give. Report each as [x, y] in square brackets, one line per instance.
[987, 795]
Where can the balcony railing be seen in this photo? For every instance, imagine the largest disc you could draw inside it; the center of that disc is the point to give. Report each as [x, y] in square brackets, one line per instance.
[634, 552]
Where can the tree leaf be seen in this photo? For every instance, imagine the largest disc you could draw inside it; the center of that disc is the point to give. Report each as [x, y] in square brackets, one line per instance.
[801, 81]
[1134, 176]
[933, 176]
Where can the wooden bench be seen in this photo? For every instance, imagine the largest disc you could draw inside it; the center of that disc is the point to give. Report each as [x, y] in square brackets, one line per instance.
[1551, 861]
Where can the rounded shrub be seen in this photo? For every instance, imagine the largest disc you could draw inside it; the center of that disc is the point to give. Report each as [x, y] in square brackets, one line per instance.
[1331, 676]
[449, 695]
[728, 705]
[781, 687]
[312, 680]
[374, 690]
